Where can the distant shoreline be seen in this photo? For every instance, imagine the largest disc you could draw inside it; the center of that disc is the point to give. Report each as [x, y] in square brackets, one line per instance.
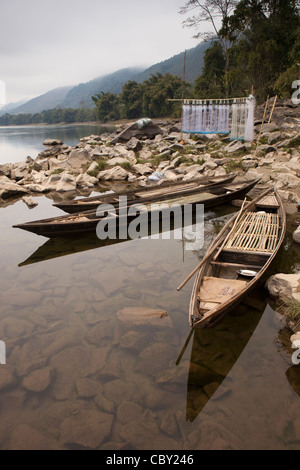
[44, 124]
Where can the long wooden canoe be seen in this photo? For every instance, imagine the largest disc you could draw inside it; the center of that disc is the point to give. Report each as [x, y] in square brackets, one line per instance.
[78, 223]
[153, 192]
[237, 259]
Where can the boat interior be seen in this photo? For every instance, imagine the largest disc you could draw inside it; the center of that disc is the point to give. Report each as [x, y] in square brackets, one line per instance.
[241, 256]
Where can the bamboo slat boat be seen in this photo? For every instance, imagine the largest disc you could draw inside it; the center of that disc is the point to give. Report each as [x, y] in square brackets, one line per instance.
[78, 223]
[153, 192]
[237, 259]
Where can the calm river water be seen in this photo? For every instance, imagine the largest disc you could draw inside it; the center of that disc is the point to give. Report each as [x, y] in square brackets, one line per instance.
[81, 373]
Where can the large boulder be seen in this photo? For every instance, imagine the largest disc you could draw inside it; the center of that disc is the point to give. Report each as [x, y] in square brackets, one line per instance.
[78, 159]
[284, 287]
[9, 189]
[142, 129]
[114, 174]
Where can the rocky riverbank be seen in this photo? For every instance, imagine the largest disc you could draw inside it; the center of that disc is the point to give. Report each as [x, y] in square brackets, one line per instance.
[136, 151]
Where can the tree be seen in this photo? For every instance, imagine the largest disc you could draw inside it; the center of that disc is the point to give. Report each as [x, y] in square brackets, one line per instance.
[132, 98]
[158, 89]
[209, 11]
[211, 82]
[268, 31]
[107, 106]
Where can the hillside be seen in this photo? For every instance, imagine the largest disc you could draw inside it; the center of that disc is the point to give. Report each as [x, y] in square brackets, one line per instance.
[49, 100]
[174, 65]
[81, 95]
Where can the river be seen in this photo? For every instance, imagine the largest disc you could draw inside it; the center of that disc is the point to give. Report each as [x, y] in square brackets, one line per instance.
[80, 374]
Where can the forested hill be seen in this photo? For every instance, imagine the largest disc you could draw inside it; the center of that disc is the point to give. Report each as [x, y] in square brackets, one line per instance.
[81, 95]
[174, 65]
[49, 100]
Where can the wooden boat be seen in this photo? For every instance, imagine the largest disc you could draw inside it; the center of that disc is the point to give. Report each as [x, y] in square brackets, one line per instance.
[153, 192]
[78, 223]
[238, 258]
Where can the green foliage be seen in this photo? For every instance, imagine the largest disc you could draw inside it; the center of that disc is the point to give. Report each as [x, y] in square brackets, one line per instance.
[292, 309]
[126, 166]
[211, 82]
[57, 171]
[233, 165]
[107, 106]
[50, 116]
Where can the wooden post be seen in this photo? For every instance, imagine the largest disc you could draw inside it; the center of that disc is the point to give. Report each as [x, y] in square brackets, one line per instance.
[262, 124]
[183, 91]
[271, 115]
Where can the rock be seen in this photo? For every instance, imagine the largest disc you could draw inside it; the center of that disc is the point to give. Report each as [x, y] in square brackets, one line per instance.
[144, 316]
[50, 152]
[55, 164]
[144, 434]
[52, 142]
[295, 141]
[39, 380]
[236, 146]
[88, 388]
[171, 176]
[285, 287]
[154, 358]
[142, 169]
[89, 428]
[7, 378]
[114, 174]
[274, 137]
[86, 181]
[249, 164]
[78, 159]
[134, 144]
[144, 128]
[5, 170]
[129, 411]
[67, 182]
[9, 189]
[117, 161]
[265, 148]
[295, 337]
[296, 235]
[24, 437]
[31, 203]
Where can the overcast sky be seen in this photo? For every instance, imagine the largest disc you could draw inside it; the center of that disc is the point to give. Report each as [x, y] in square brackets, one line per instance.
[44, 45]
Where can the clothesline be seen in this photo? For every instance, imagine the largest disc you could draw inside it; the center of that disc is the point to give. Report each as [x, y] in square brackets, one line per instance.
[213, 116]
[202, 100]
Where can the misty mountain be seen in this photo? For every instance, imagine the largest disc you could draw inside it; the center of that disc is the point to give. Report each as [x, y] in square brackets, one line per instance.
[175, 65]
[81, 95]
[49, 100]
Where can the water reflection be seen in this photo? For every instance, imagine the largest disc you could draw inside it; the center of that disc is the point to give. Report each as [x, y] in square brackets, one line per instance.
[18, 142]
[215, 351]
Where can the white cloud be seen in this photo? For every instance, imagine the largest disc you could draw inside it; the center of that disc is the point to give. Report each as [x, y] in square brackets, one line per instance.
[46, 45]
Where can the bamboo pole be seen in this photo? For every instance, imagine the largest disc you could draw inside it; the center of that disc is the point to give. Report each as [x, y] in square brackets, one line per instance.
[216, 239]
[183, 91]
[261, 127]
[231, 231]
[271, 115]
